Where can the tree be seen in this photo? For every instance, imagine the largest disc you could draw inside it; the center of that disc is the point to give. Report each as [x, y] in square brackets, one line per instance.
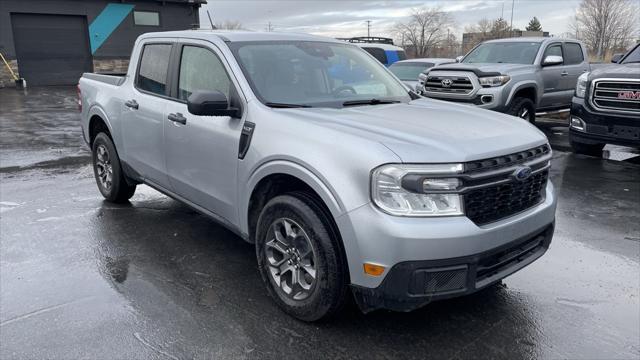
[500, 28]
[425, 30]
[605, 25]
[534, 25]
[229, 25]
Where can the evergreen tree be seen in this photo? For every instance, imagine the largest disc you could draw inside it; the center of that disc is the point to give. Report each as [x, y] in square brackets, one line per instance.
[534, 25]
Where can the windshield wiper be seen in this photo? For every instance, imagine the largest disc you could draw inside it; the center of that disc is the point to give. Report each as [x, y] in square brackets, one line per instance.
[286, 106]
[369, 102]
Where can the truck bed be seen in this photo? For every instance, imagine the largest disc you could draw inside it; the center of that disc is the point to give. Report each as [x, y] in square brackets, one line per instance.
[108, 78]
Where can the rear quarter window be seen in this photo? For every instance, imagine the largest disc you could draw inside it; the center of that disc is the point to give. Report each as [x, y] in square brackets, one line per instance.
[152, 71]
[377, 53]
[573, 54]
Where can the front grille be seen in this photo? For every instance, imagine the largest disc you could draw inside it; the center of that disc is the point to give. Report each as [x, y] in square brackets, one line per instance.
[495, 202]
[616, 95]
[458, 85]
[506, 160]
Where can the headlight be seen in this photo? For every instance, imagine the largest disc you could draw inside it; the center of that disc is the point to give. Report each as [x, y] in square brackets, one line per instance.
[493, 81]
[417, 190]
[581, 85]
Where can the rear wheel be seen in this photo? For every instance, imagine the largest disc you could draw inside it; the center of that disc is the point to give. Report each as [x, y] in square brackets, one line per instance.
[523, 108]
[586, 149]
[299, 257]
[108, 172]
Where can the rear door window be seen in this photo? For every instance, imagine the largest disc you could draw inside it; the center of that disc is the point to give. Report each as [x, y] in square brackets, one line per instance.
[573, 54]
[152, 72]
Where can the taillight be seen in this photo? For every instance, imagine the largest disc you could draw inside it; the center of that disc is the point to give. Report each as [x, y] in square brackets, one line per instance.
[79, 98]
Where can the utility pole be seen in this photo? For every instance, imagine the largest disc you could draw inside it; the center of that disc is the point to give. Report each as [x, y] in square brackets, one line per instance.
[368, 28]
[448, 44]
[511, 26]
[269, 27]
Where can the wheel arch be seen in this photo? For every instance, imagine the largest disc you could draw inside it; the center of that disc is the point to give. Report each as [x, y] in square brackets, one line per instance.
[528, 89]
[278, 177]
[98, 120]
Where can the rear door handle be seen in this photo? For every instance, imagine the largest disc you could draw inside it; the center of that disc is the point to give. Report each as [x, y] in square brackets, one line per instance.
[177, 117]
[131, 104]
[564, 73]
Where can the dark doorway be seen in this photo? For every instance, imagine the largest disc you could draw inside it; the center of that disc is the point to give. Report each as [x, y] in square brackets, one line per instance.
[51, 49]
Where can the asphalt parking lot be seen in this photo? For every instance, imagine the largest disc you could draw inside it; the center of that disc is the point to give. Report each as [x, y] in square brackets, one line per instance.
[81, 278]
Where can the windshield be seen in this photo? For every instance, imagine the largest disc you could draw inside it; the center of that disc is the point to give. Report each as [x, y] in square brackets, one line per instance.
[634, 57]
[504, 52]
[409, 71]
[312, 73]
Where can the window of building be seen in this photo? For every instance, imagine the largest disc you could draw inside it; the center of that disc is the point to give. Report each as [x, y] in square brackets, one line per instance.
[573, 54]
[201, 69]
[152, 74]
[146, 18]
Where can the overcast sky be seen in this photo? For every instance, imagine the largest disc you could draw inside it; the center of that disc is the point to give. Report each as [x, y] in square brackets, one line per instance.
[348, 18]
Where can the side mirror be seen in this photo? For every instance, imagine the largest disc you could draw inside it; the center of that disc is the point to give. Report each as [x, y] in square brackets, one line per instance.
[616, 58]
[552, 60]
[459, 58]
[210, 103]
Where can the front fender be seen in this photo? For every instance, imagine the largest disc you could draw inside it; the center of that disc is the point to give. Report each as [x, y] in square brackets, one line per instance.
[524, 84]
[279, 166]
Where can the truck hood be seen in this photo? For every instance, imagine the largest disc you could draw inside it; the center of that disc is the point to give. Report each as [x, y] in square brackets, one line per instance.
[489, 69]
[428, 130]
[625, 71]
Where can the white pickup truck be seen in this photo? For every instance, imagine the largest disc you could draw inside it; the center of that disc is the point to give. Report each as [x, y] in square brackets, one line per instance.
[345, 180]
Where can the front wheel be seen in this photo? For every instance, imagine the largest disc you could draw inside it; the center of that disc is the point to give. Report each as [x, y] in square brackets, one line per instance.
[523, 108]
[299, 257]
[108, 172]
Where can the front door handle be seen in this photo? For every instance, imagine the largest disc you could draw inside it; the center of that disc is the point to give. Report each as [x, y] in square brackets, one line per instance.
[131, 104]
[564, 73]
[177, 117]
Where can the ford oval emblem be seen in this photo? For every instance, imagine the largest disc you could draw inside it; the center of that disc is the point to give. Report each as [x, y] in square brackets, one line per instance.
[521, 173]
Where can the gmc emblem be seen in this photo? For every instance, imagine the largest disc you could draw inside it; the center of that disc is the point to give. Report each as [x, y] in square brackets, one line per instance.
[629, 95]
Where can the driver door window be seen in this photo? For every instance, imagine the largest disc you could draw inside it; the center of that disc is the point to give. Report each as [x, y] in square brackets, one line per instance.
[553, 50]
[200, 69]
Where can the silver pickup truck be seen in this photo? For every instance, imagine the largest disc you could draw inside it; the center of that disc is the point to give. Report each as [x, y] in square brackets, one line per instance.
[517, 76]
[346, 181]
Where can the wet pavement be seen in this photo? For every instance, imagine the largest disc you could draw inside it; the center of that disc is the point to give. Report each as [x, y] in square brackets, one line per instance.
[80, 277]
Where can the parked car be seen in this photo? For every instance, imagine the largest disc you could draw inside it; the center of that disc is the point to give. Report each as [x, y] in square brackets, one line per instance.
[359, 187]
[380, 48]
[517, 76]
[409, 70]
[606, 106]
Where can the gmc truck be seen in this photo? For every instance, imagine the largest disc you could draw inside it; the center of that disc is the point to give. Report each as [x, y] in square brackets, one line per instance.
[517, 76]
[606, 106]
[345, 181]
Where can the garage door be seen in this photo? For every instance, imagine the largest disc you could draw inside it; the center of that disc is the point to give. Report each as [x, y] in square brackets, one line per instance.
[51, 49]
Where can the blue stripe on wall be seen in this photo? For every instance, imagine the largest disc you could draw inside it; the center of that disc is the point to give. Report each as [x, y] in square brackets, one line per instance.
[106, 22]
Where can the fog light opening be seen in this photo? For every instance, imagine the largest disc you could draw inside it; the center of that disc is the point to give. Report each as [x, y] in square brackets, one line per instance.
[577, 123]
[485, 99]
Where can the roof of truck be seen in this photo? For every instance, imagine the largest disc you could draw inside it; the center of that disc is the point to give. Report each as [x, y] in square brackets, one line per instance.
[239, 35]
[531, 39]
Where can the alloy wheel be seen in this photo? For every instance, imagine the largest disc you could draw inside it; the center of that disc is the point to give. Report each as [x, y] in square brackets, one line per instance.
[104, 167]
[291, 259]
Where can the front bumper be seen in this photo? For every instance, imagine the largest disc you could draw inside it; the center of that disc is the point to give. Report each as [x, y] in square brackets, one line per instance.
[413, 284]
[604, 128]
[484, 98]
[370, 236]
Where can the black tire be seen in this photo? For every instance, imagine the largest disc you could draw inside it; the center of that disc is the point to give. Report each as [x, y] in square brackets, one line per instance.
[328, 293]
[119, 190]
[586, 149]
[520, 105]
